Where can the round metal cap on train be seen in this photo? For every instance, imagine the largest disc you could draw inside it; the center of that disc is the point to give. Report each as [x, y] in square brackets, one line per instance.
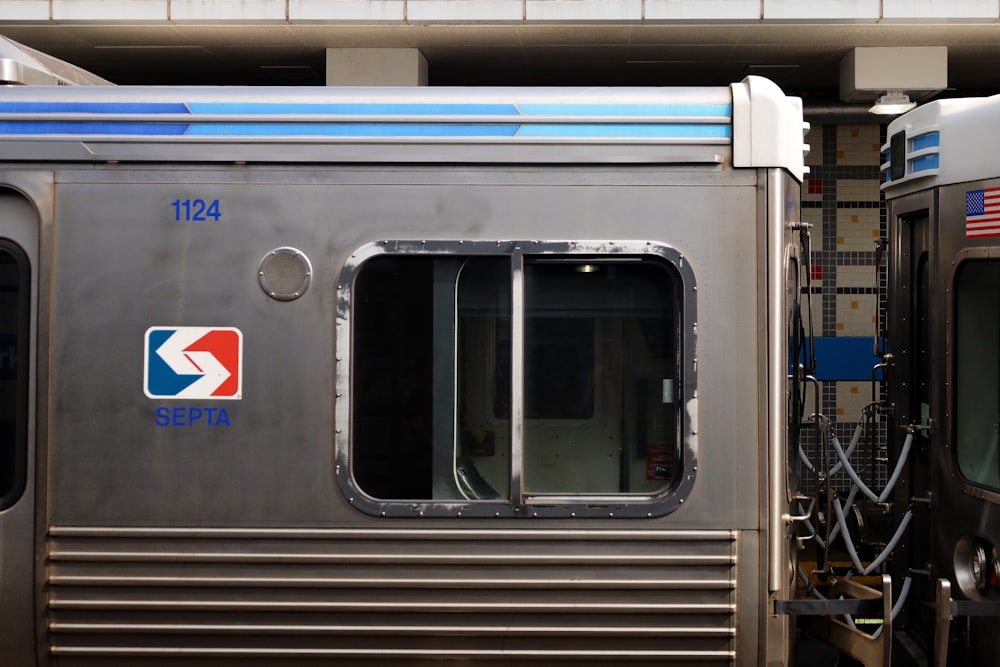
[284, 274]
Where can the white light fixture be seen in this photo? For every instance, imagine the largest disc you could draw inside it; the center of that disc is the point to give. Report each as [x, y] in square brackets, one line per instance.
[902, 75]
[892, 103]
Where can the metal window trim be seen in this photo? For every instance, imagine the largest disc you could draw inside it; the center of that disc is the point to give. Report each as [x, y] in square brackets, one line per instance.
[521, 504]
[9, 496]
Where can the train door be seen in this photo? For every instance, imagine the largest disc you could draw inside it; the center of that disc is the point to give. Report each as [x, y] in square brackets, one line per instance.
[910, 395]
[970, 499]
[967, 470]
[18, 271]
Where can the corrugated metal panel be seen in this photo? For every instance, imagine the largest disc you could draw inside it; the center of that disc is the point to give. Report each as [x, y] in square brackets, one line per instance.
[485, 596]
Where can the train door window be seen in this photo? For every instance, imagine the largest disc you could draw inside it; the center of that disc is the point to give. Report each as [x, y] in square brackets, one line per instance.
[599, 366]
[977, 372]
[517, 384]
[14, 304]
[423, 330]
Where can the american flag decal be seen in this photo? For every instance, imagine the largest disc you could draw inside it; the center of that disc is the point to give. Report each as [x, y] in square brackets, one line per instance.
[982, 213]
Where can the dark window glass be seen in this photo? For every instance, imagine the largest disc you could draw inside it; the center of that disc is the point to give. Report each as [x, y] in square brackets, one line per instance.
[425, 333]
[599, 378]
[977, 373]
[14, 302]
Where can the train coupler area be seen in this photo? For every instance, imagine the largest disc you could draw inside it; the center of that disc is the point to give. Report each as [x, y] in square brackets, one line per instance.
[853, 618]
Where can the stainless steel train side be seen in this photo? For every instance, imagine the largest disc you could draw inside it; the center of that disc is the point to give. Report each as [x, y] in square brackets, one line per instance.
[383, 376]
[941, 178]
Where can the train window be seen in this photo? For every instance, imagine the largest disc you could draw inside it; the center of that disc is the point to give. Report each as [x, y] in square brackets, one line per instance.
[423, 328]
[502, 384]
[14, 302]
[600, 342]
[977, 373]
[897, 156]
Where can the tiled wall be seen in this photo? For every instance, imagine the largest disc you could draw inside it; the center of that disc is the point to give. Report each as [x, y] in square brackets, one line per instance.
[841, 199]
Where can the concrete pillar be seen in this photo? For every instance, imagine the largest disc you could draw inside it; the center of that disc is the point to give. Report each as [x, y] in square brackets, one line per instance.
[375, 67]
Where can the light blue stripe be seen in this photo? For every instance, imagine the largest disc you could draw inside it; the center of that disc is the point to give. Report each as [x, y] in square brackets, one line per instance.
[625, 130]
[367, 129]
[467, 109]
[929, 140]
[926, 162]
[351, 130]
[352, 109]
[682, 110]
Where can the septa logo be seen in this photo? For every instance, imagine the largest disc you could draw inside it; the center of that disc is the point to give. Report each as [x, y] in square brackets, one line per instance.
[193, 362]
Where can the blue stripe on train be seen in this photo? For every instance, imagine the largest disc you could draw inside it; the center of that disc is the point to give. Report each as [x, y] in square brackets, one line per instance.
[94, 107]
[678, 110]
[352, 109]
[625, 130]
[201, 111]
[351, 130]
[92, 127]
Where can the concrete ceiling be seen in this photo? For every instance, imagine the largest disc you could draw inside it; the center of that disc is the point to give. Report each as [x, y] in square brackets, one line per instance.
[803, 59]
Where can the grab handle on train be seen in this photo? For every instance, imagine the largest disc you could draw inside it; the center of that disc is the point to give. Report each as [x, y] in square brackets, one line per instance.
[880, 247]
[803, 518]
[800, 498]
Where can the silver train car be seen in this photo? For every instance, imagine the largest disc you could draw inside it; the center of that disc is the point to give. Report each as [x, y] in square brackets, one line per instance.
[942, 186]
[388, 377]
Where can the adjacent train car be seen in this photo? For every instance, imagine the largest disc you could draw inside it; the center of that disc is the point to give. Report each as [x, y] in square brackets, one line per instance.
[942, 185]
[400, 376]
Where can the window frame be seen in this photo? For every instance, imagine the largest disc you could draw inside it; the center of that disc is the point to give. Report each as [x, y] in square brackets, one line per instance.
[967, 256]
[520, 503]
[9, 496]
